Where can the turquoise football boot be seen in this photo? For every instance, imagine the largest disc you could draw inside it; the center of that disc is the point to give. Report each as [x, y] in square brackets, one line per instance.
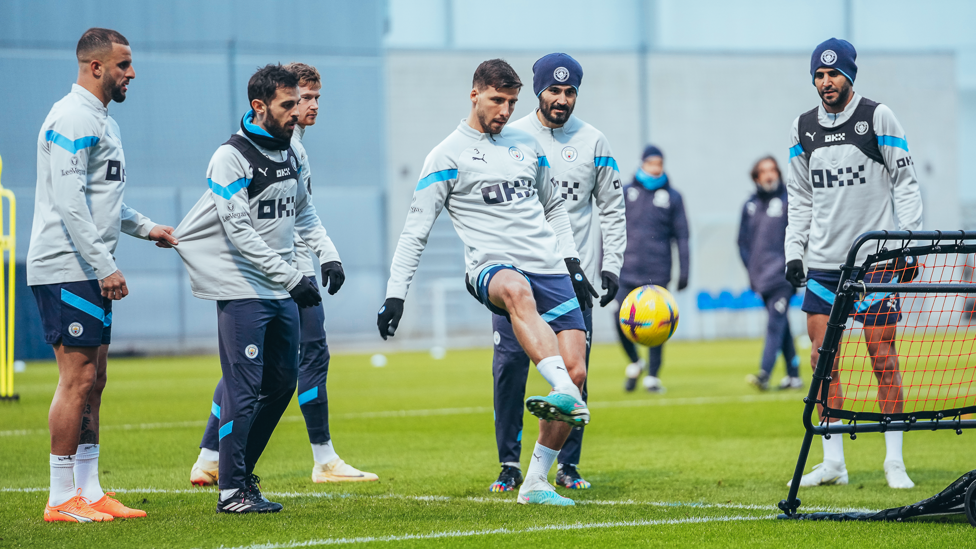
[559, 407]
[544, 497]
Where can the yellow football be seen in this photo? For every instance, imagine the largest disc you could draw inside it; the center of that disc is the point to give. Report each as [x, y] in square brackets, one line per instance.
[649, 315]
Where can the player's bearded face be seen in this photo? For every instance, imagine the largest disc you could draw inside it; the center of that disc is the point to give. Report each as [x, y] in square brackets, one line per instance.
[117, 71]
[834, 88]
[768, 176]
[493, 107]
[556, 103]
[281, 115]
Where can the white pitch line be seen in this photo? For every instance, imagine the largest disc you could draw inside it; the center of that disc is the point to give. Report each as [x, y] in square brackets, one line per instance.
[469, 410]
[472, 499]
[500, 531]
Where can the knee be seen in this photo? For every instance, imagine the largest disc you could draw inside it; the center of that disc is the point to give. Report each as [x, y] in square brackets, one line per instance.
[518, 298]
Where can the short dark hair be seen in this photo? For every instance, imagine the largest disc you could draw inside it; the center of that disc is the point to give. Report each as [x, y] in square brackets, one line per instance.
[755, 167]
[97, 40]
[496, 73]
[265, 82]
[307, 74]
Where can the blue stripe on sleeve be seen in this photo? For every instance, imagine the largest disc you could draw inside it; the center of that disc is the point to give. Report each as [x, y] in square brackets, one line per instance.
[796, 150]
[215, 409]
[892, 141]
[605, 161]
[225, 429]
[543, 161]
[229, 190]
[436, 177]
[69, 145]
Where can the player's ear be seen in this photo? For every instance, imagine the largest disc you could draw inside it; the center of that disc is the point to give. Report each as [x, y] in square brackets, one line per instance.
[258, 106]
[96, 68]
[474, 95]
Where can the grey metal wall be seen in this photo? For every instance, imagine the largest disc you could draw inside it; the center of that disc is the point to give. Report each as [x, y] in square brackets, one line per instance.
[192, 62]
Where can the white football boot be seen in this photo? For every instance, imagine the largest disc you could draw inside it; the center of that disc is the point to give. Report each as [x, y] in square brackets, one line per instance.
[340, 471]
[824, 474]
[204, 472]
[896, 475]
[653, 385]
[790, 382]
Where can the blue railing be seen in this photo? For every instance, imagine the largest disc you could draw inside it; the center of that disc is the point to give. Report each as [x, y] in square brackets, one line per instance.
[726, 300]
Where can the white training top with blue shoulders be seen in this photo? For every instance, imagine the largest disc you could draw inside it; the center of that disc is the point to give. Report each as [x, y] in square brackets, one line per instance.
[501, 199]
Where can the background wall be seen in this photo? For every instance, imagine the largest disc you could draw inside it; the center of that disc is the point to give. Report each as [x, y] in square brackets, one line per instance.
[715, 84]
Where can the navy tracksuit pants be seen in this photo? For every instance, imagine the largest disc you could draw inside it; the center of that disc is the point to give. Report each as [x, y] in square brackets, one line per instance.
[778, 335]
[510, 367]
[259, 360]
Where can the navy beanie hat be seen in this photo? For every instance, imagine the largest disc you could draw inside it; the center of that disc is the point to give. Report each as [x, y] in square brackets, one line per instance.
[650, 151]
[836, 54]
[556, 69]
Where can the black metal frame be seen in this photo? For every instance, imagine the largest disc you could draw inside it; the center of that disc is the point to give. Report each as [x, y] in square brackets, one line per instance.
[851, 284]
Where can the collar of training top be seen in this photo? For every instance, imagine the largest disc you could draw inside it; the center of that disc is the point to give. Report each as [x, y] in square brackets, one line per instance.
[260, 136]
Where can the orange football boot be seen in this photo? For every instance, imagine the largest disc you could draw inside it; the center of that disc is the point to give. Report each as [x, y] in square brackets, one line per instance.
[114, 507]
[75, 509]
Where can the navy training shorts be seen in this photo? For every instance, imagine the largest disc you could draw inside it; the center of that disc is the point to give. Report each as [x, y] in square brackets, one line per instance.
[874, 309]
[74, 313]
[555, 299]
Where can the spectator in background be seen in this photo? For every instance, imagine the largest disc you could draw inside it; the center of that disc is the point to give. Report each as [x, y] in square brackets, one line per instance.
[762, 233]
[655, 219]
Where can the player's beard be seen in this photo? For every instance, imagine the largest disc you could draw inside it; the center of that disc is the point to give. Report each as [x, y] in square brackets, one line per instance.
[843, 95]
[486, 123]
[115, 91]
[276, 129]
[558, 118]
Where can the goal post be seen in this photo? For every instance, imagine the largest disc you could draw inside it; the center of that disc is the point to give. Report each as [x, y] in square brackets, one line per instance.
[896, 355]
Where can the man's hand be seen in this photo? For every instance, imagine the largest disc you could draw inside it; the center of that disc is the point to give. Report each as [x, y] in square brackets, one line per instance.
[584, 290]
[611, 284]
[162, 235]
[333, 274]
[794, 273]
[388, 317]
[906, 268]
[305, 293]
[682, 283]
[113, 286]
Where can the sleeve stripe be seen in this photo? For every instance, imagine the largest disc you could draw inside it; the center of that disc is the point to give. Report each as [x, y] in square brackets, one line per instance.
[69, 145]
[229, 190]
[543, 161]
[796, 150]
[605, 161]
[892, 141]
[436, 177]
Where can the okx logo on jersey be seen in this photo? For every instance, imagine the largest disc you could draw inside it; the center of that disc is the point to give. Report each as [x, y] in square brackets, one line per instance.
[505, 192]
[827, 178]
[273, 209]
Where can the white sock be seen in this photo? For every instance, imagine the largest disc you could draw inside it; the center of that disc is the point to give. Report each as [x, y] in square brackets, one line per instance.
[62, 479]
[553, 370]
[86, 472]
[206, 454]
[515, 464]
[893, 443]
[324, 453]
[537, 477]
[833, 449]
[227, 494]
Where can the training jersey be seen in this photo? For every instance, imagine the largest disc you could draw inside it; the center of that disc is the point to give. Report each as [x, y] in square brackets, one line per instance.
[303, 256]
[497, 190]
[849, 173]
[582, 165]
[78, 208]
[238, 241]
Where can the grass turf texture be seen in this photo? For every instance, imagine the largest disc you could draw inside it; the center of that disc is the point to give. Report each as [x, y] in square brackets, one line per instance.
[666, 470]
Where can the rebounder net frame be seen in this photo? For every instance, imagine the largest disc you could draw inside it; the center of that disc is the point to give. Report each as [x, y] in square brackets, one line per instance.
[905, 352]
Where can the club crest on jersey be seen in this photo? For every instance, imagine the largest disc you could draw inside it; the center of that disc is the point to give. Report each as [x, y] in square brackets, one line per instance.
[74, 160]
[76, 329]
[516, 153]
[561, 74]
[828, 57]
[861, 128]
[251, 351]
[569, 154]
[294, 164]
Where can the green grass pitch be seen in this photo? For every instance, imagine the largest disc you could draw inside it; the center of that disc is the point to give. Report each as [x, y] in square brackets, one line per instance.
[702, 465]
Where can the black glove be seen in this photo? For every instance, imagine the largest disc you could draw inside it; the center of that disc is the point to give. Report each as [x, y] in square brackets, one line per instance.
[906, 268]
[794, 273]
[584, 290]
[305, 293]
[389, 315]
[611, 284]
[682, 283]
[333, 274]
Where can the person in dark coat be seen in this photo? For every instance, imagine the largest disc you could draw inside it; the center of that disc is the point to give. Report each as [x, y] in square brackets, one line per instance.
[762, 232]
[655, 219]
